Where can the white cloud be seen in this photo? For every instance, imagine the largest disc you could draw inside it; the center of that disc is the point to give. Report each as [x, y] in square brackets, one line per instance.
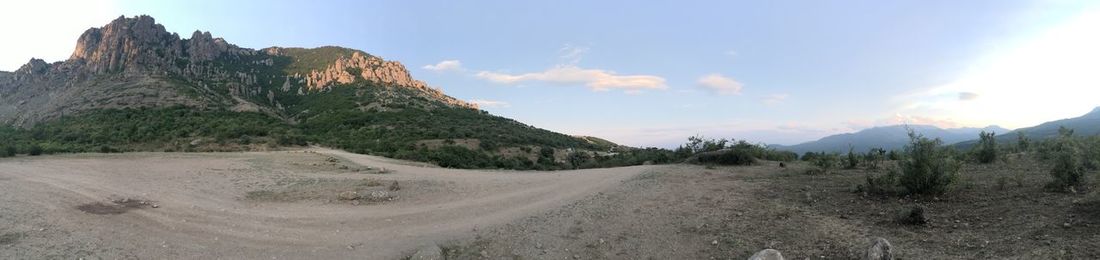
[490, 103]
[572, 54]
[775, 99]
[721, 84]
[595, 79]
[964, 96]
[445, 65]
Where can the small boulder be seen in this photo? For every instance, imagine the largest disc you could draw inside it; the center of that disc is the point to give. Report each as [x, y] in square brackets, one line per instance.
[378, 196]
[767, 254]
[782, 165]
[348, 195]
[880, 250]
[394, 186]
[431, 252]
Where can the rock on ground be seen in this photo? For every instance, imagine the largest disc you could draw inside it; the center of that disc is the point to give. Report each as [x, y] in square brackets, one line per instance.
[767, 254]
[880, 250]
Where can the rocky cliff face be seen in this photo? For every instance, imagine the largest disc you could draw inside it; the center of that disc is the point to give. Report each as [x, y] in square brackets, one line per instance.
[135, 62]
[347, 70]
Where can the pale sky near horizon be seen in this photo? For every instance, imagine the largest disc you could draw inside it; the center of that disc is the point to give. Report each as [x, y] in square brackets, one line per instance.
[650, 73]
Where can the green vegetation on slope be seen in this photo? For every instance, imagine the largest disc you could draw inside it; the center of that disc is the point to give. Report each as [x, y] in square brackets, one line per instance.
[306, 60]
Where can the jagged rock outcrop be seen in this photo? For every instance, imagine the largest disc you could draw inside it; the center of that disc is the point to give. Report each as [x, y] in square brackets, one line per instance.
[346, 70]
[126, 44]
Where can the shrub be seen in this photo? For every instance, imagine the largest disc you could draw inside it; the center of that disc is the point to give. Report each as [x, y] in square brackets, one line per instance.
[8, 151]
[1022, 142]
[824, 162]
[987, 148]
[727, 157]
[578, 159]
[884, 184]
[875, 157]
[809, 156]
[893, 155]
[1067, 164]
[34, 150]
[928, 168]
[853, 159]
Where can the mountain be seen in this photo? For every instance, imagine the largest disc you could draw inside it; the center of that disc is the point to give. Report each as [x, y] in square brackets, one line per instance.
[134, 62]
[1085, 125]
[131, 85]
[886, 137]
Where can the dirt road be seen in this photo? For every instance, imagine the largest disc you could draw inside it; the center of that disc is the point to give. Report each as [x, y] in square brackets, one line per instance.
[212, 205]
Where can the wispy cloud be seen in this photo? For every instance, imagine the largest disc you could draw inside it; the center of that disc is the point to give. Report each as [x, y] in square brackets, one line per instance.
[775, 99]
[721, 84]
[595, 79]
[446, 65]
[490, 103]
[967, 96]
[572, 54]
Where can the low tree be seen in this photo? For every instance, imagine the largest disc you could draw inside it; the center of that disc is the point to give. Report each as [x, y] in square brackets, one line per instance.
[853, 159]
[927, 168]
[987, 148]
[893, 155]
[1067, 162]
[1022, 142]
[824, 163]
[578, 159]
[874, 157]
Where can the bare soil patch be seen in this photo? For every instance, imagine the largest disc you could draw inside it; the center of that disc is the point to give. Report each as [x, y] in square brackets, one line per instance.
[263, 205]
[695, 212]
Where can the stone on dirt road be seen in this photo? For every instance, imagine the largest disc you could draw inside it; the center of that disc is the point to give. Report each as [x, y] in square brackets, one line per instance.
[880, 250]
[767, 254]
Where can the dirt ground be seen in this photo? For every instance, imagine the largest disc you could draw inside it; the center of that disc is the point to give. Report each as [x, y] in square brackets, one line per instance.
[269, 205]
[296, 205]
[697, 212]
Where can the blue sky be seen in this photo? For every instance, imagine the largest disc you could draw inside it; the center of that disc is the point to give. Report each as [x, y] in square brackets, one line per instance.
[652, 73]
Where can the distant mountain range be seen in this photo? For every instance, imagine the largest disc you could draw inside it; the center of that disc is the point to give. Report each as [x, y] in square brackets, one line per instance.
[886, 137]
[1085, 125]
[896, 136]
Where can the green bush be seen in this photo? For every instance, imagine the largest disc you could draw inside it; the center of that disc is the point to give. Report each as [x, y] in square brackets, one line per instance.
[726, 157]
[578, 159]
[853, 159]
[8, 151]
[885, 184]
[874, 157]
[823, 163]
[34, 150]
[1022, 142]
[928, 168]
[986, 151]
[1067, 161]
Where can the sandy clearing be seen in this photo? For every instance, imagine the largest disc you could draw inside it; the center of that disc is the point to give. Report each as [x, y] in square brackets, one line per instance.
[203, 212]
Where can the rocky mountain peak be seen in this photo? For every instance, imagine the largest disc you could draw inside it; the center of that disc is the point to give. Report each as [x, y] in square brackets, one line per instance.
[123, 43]
[34, 66]
[360, 66]
[204, 47]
